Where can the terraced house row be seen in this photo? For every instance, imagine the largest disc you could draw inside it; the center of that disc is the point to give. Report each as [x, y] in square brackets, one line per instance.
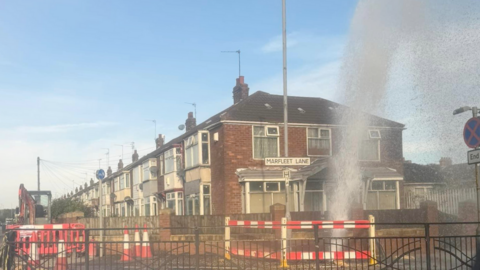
[217, 166]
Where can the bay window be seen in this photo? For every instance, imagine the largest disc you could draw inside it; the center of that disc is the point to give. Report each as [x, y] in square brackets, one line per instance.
[161, 166]
[170, 161]
[370, 146]
[315, 199]
[175, 202]
[382, 195]
[197, 150]
[115, 185]
[265, 142]
[262, 195]
[319, 142]
[199, 203]
[122, 182]
[191, 151]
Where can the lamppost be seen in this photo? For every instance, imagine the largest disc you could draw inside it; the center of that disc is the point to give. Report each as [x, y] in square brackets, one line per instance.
[475, 115]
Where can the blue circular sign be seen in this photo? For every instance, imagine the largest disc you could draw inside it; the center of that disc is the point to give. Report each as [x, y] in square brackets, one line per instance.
[100, 174]
[471, 133]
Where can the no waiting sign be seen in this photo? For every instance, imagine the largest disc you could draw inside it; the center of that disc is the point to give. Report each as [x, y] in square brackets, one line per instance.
[471, 133]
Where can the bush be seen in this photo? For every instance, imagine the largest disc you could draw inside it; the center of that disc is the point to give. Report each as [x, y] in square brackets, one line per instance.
[68, 205]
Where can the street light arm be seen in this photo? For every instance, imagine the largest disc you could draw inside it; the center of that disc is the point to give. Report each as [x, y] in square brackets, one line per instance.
[461, 110]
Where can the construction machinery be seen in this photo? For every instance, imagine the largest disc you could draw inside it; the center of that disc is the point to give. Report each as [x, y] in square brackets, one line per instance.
[34, 207]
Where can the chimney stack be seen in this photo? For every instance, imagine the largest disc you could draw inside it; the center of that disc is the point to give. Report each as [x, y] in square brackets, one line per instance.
[190, 123]
[240, 91]
[160, 140]
[445, 162]
[109, 171]
[135, 156]
[120, 164]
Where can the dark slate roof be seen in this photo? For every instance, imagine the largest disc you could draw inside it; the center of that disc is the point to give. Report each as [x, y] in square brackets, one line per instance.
[417, 173]
[317, 111]
[460, 173]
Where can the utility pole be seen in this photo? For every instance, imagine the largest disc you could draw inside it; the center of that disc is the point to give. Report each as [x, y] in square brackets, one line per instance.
[38, 173]
[285, 100]
[100, 212]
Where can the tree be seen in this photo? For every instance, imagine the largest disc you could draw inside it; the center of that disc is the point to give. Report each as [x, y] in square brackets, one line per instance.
[68, 205]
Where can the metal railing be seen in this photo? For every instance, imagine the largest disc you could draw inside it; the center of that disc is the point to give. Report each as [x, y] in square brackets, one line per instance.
[413, 246]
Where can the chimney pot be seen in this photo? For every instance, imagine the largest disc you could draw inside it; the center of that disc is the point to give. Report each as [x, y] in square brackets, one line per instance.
[120, 165]
[160, 140]
[190, 123]
[109, 171]
[135, 156]
[240, 91]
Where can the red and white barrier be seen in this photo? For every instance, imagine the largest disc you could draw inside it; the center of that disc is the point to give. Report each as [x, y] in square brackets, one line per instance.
[336, 224]
[284, 255]
[296, 256]
[146, 250]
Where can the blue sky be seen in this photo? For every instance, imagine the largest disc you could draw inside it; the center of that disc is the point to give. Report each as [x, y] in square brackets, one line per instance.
[78, 76]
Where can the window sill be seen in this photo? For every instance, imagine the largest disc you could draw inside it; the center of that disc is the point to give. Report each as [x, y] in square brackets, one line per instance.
[308, 155]
[197, 166]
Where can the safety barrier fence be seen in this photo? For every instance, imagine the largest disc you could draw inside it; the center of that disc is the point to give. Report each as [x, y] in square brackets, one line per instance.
[319, 245]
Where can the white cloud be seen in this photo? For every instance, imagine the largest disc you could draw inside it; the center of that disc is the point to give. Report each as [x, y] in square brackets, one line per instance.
[307, 46]
[275, 44]
[317, 81]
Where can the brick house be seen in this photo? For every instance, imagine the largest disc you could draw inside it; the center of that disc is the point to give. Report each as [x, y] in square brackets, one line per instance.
[217, 166]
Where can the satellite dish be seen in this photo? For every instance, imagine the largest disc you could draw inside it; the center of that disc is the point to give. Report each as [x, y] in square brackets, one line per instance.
[181, 127]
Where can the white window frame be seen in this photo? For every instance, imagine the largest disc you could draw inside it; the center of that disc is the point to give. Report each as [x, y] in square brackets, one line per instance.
[121, 181]
[397, 192]
[161, 164]
[177, 196]
[170, 155]
[293, 184]
[201, 142]
[265, 132]
[320, 137]
[116, 184]
[202, 198]
[373, 137]
[190, 143]
[127, 180]
[368, 138]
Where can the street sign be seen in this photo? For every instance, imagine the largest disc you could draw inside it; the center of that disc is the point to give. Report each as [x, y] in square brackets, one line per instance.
[100, 174]
[471, 133]
[287, 161]
[473, 156]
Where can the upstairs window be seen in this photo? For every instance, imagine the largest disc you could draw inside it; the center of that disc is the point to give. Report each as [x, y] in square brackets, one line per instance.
[127, 180]
[122, 182]
[116, 186]
[161, 165]
[191, 151]
[136, 177]
[170, 161]
[319, 142]
[370, 146]
[197, 150]
[265, 142]
[149, 169]
[205, 148]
